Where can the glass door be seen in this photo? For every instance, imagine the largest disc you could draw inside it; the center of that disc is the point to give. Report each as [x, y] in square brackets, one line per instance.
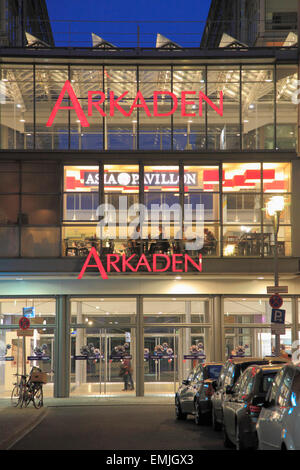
[103, 343]
[102, 361]
[160, 361]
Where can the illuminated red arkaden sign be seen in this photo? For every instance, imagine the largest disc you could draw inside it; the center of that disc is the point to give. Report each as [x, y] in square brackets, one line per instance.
[178, 263]
[187, 98]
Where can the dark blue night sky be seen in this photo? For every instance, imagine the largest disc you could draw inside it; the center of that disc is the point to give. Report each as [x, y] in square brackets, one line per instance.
[116, 21]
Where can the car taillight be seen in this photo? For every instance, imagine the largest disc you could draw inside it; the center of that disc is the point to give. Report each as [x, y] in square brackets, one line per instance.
[254, 409]
[209, 390]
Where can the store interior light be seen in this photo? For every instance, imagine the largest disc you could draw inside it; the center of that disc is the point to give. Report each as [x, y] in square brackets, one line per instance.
[229, 250]
[275, 204]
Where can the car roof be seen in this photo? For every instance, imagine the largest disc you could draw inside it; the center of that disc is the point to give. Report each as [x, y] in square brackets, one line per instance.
[269, 367]
[213, 364]
[251, 360]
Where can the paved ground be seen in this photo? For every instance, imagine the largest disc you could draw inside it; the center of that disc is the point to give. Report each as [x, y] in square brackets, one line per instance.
[116, 426]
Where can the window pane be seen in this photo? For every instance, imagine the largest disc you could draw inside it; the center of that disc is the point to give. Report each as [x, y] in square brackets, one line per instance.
[276, 177]
[189, 127]
[258, 107]
[286, 113]
[209, 201]
[84, 80]
[121, 179]
[40, 242]
[49, 83]
[161, 178]
[81, 206]
[9, 178]
[16, 107]
[81, 178]
[12, 310]
[241, 208]
[201, 178]
[9, 242]
[242, 241]
[79, 239]
[283, 243]
[224, 131]
[40, 177]
[241, 177]
[41, 210]
[9, 209]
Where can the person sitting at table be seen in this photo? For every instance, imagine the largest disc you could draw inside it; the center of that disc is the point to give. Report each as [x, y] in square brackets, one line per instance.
[210, 243]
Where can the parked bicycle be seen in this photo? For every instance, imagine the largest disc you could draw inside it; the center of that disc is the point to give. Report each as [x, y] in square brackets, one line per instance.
[31, 389]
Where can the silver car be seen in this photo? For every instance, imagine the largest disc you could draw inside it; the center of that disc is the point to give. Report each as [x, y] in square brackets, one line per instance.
[278, 427]
[194, 395]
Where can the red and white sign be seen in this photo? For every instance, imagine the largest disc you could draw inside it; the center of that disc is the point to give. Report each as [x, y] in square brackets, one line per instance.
[24, 323]
[178, 263]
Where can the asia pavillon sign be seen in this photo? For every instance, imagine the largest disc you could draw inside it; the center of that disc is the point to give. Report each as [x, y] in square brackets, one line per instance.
[187, 98]
[177, 263]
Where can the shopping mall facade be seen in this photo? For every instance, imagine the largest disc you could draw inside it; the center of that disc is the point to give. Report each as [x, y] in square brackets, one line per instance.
[216, 128]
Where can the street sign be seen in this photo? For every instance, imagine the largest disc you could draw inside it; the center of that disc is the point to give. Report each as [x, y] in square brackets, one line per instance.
[278, 329]
[24, 323]
[278, 316]
[277, 289]
[275, 301]
[24, 332]
[29, 312]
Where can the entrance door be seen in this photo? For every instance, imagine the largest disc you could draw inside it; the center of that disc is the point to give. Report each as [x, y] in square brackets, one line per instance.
[161, 358]
[99, 359]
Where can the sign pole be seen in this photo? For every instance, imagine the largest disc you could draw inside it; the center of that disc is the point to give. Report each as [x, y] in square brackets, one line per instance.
[24, 354]
[276, 275]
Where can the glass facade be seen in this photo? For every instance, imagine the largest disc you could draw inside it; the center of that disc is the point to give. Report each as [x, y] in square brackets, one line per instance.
[178, 332]
[51, 210]
[175, 108]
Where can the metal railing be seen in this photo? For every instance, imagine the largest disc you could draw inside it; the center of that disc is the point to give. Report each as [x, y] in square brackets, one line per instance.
[131, 34]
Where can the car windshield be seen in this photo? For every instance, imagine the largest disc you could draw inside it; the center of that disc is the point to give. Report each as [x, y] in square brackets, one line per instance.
[213, 371]
[266, 382]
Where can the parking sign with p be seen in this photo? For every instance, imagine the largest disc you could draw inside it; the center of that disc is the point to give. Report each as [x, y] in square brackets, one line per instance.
[278, 316]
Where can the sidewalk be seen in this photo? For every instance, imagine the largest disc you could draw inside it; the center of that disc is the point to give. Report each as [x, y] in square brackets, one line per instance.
[15, 423]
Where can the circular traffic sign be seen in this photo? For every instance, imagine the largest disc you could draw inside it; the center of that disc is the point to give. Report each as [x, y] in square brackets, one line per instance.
[24, 323]
[276, 301]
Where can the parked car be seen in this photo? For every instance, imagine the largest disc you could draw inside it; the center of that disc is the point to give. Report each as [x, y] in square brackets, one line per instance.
[194, 395]
[278, 426]
[230, 373]
[243, 404]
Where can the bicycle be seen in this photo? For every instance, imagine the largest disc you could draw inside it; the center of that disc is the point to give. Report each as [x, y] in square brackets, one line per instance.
[34, 394]
[29, 390]
[19, 391]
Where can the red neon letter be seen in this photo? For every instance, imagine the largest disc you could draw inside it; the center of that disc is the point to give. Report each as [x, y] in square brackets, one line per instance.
[174, 98]
[166, 257]
[176, 261]
[184, 103]
[76, 106]
[202, 96]
[142, 104]
[92, 103]
[125, 263]
[143, 262]
[93, 253]
[112, 263]
[114, 103]
[187, 259]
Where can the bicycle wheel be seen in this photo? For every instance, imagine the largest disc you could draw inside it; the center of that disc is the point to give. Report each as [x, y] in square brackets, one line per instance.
[23, 395]
[15, 395]
[28, 394]
[38, 396]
